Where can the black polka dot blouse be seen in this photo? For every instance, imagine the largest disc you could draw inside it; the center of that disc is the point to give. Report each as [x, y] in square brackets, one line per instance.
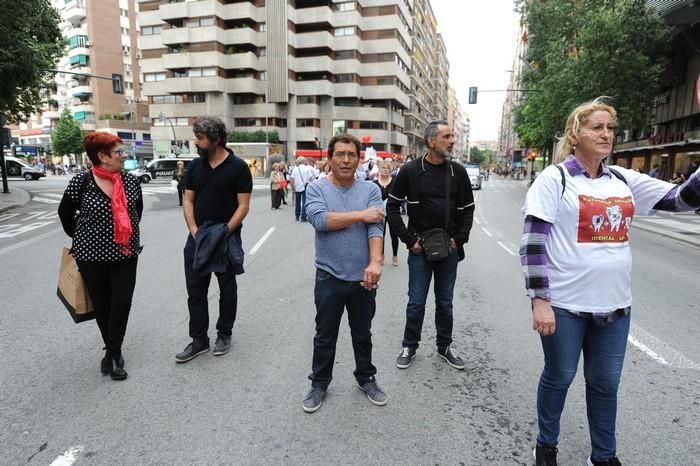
[89, 221]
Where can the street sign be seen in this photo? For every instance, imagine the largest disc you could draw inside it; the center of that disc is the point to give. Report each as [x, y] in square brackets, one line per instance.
[472, 94]
[26, 150]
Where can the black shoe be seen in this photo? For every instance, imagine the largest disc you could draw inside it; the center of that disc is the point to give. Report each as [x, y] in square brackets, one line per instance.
[545, 456]
[609, 462]
[405, 358]
[192, 350]
[303, 220]
[116, 369]
[313, 400]
[222, 345]
[452, 359]
[105, 365]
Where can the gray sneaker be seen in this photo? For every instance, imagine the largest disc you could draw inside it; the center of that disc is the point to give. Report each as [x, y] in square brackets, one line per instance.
[405, 358]
[192, 350]
[222, 345]
[313, 399]
[374, 393]
[452, 359]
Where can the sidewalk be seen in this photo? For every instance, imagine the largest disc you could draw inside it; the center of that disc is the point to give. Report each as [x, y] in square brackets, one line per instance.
[17, 197]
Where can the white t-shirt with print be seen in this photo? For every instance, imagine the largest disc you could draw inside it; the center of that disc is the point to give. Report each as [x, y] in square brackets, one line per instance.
[302, 174]
[588, 255]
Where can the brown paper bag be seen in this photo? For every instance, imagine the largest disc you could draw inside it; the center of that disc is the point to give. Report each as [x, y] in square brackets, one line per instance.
[72, 290]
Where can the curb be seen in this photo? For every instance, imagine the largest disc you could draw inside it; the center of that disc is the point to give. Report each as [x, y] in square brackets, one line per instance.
[668, 234]
[22, 199]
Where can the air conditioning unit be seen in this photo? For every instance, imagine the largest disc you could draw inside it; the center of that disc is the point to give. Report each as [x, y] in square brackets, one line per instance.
[88, 43]
[138, 56]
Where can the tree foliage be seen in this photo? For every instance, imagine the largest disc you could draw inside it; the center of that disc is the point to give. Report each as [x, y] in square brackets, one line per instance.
[67, 138]
[254, 136]
[481, 157]
[30, 44]
[582, 49]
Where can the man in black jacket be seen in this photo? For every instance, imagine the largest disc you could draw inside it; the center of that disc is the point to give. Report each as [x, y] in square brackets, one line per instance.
[424, 182]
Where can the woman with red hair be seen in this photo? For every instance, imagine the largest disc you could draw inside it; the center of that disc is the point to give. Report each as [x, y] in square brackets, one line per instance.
[101, 210]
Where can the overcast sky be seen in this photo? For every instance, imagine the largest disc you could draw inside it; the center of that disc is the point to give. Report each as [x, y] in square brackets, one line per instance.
[480, 36]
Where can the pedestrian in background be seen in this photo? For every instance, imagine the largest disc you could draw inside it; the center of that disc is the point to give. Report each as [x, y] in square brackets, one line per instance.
[217, 199]
[302, 175]
[348, 217]
[385, 182]
[179, 178]
[101, 210]
[285, 172]
[423, 183]
[276, 178]
[577, 264]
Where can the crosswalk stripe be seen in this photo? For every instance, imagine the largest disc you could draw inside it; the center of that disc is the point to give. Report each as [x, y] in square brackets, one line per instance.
[46, 200]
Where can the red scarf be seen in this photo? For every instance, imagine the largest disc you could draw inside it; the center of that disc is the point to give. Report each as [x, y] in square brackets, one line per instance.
[120, 214]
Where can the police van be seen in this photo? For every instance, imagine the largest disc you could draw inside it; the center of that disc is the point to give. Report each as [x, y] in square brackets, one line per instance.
[164, 168]
[17, 167]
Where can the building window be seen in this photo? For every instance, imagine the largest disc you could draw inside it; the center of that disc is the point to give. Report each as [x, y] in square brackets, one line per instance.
[372, 125]
[246, 122]
[344, 78]
[244, 99]
[151, 30]
[386, 81]
[306, 99]
[151, 77]
[344, 102]
[345, 6]
[77, 41]
[180, 121]
[263, 51]
[199, 72]
[146, 136]
[344, 54]
[125, 31]
[306, 123]
[262, 27]
[200, 22]
[263, 76]
[345, 31]
[166, 99]
[78, 60]
[198, 98]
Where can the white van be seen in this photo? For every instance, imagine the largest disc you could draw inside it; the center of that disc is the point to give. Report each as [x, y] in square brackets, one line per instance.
[474, 176]
[19, 168]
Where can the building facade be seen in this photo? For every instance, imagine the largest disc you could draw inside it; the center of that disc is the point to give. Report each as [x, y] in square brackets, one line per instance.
[102, 37]
[307, 69]
[459, 122]
[429, 90]
[672, 138]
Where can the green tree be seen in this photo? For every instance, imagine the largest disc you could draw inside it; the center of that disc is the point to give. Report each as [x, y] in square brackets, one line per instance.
[254, 136]
[481, 157]
[67, 138]
[30, 44]
[582, 49]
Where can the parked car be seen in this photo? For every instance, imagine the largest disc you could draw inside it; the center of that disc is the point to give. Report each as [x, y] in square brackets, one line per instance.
[142, 174]
[165, 168]
[474, 176]
[19, 168]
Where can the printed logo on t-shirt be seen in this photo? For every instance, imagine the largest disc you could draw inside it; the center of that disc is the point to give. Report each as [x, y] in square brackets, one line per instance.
[604, 220]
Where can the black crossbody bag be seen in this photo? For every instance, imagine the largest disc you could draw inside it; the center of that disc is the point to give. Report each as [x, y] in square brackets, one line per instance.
[436, 241]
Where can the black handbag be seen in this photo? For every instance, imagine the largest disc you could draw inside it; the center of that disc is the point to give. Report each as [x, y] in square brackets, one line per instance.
[436, 242]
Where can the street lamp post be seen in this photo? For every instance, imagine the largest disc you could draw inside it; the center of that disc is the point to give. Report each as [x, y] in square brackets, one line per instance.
[162, 117]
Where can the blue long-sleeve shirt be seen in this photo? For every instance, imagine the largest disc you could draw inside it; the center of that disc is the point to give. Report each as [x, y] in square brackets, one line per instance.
[343, 253]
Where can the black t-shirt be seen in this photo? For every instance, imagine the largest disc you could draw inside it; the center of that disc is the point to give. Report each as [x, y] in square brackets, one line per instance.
[216, 190]
[431, 194]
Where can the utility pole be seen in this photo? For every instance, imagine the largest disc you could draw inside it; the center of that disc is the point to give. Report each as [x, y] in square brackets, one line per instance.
[3, 167]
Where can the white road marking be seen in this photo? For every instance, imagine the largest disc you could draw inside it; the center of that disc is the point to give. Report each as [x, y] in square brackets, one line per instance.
[69, 457]
[658, 350]
[56, 195]
[506, 248]
[45, 200]
[487, 232]
[7, 216]
[13, 229]
[27, 242]
[477, 221]
[260, 242]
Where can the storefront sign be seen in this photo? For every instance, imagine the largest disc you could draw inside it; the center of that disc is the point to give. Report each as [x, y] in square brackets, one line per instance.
[666, 138]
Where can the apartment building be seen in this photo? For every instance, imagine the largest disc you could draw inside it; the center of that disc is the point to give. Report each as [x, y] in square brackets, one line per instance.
[459, 121]
[429, 91]
[307, 69]
[102, 38]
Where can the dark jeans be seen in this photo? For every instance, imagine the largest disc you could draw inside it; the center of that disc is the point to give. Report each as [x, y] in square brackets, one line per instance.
[300, 206]
[603, 355]
[198, 304]
[276, 198]
[332, 297]
[394, 240]
[180, 192]
[420, 272]
[111, 287]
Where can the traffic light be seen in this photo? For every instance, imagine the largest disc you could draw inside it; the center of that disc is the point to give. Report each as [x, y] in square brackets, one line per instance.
[472, 95]
[117, 80]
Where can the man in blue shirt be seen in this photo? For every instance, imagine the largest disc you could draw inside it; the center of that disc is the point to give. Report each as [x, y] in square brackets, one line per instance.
[348, 217]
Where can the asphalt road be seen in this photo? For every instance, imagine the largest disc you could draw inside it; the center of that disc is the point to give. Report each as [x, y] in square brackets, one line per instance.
[245, 407]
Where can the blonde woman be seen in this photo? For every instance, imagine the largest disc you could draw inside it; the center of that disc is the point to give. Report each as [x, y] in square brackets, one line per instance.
[276, 180]
[576, 259]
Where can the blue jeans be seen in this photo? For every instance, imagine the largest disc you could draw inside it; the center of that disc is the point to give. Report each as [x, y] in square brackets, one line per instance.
[300, 206]
[420, 272]
[332, 297]
[603, 355]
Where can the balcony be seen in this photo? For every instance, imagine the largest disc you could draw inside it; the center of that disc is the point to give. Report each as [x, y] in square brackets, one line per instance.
[78, 51]
[187, 85]
[312, 40]
[308, 111]
[317, 87]
[307, 134]
[243, 36]
[244, 86]
[242, 10]
[75, 11]
[314, 64]
[377, 135]
[346, 90]
[320, 14]
[177, 110]
[83, 90]
[83, 107]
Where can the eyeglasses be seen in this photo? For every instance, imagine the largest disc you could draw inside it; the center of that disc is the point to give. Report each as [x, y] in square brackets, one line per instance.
[344, 155]
[118, 151]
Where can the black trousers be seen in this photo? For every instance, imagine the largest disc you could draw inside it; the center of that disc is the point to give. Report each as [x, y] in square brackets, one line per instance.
[332, 297]
[180, 192]
[276, 198]
[198, 302]
[111, 287]
[394, 240]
